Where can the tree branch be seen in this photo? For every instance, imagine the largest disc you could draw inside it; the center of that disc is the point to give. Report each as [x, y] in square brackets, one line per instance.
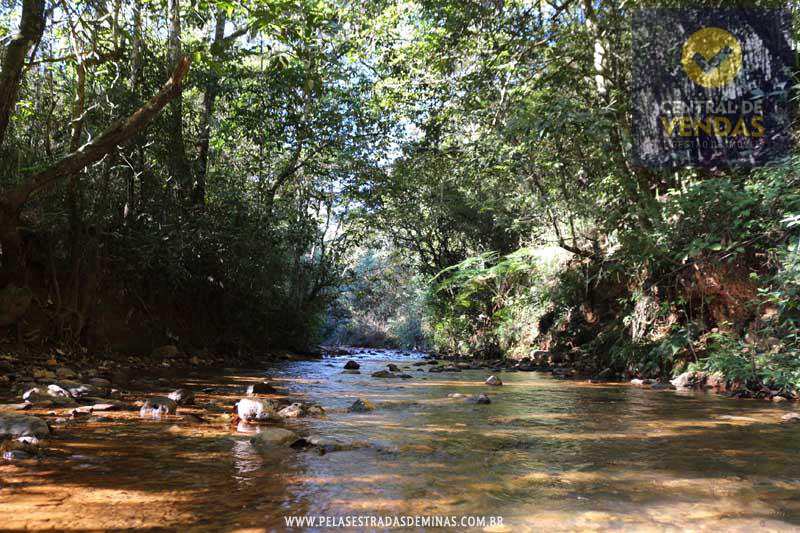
[116, 134]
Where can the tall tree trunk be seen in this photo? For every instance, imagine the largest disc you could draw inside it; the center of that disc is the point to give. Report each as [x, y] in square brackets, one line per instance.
[135, 79]
[31, 28]
[212, 88]
[179, 163]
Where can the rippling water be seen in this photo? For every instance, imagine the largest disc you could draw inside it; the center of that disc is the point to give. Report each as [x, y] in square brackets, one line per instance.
[544, 454]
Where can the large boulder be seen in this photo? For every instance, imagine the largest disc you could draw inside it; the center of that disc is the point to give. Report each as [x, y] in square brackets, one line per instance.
[272, 436]
[257, 410]
[351, 365]
[14, 425]
[158, 406]
[182, 396]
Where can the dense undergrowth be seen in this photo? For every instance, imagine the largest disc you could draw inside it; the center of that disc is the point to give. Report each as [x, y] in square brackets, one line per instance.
[713, 287]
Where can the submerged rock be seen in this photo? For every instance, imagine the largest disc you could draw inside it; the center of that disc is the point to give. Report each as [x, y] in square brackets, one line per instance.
[479, 399]
[351, 365]
[15, 425]
[361, 406]
[790, 418]
[158, 406]
[351, 371]
[272, 436]
[494, 381]
[393, 367]
[662, 386]
[182, 397]
[382, 374]
[261, 388]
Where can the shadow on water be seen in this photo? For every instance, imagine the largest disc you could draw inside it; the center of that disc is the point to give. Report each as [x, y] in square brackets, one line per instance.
[544, 453]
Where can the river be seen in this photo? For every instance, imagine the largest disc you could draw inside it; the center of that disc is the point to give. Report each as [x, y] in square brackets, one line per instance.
[546, 453]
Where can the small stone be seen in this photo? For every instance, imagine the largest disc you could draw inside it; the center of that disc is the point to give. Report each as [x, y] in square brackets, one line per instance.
[272, 436]
[41, 373]
[261, 388]
[494, 381]
[168, 351]
[63, 372]
[158, 406]
[351, 365]
[52, 362]
[393, 367]
[182, 396]
[100, 383]
[16, 455]
[361, 406]
[299, 410]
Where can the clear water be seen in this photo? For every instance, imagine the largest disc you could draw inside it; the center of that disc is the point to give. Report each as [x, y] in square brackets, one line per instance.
[561, 455]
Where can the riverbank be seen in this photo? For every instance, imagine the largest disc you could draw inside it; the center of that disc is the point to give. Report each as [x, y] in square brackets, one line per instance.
[544, 452]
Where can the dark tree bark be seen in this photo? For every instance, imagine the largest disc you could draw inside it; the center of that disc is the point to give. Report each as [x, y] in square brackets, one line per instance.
[212, 88]
[180, 169]
[31, 28]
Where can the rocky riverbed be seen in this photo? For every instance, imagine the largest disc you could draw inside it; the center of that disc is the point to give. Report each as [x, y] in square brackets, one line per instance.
[388, 433]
